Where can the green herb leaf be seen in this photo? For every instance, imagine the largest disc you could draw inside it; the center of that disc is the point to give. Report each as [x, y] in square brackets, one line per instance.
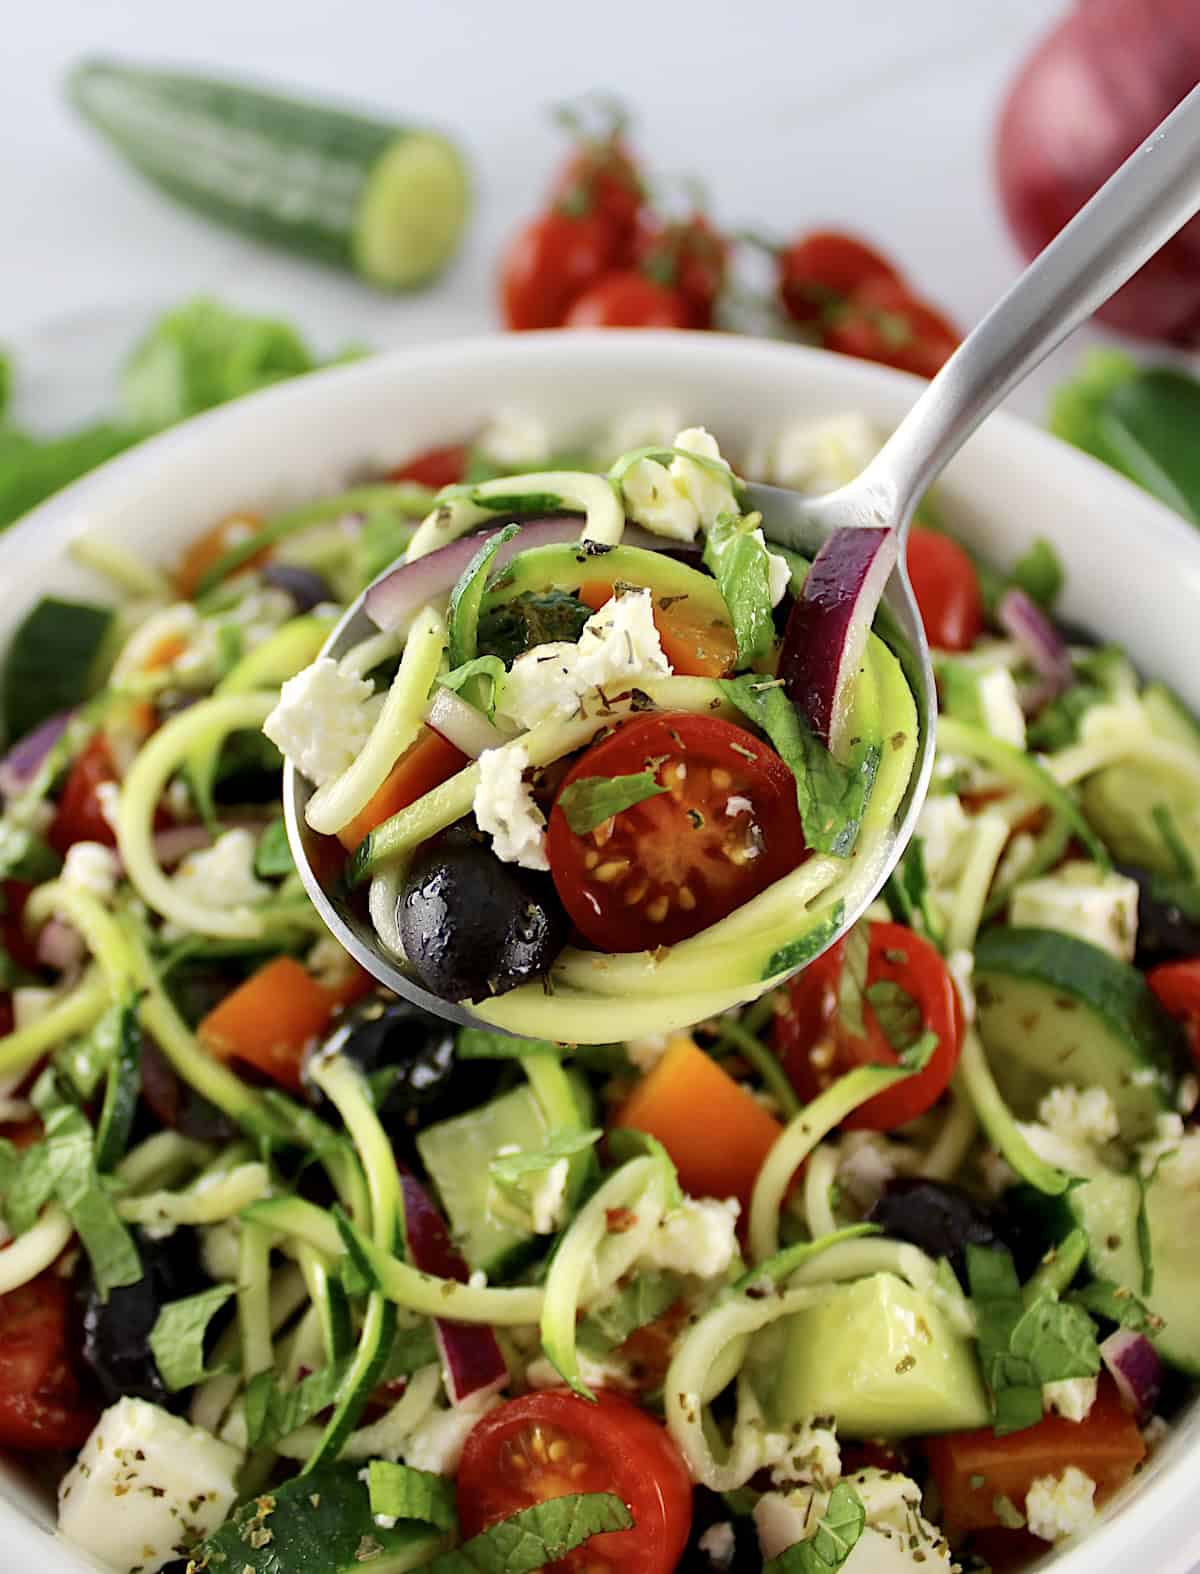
[1103, 1298]
[908, 897]
[472, 676]
[626, 1142]
[536, 1536]
[177, 1338]
[381, 541]
[27, 1185]
[476, 1043]
[1149, 424]
[53, 661]
[273, 855]
[1075, 408]
[272, 1413]
[85, 1062]
[535, 617]
[852, 980]
[25, 856]
[462, 617]
[834, 1540]
[72, 1157]
[402, 1492]
[1039, 573]
[899, 1016]
[511, 1173]
[739, 563]
[124, 1083]
[590, 800]
[831, 796]
[645, 1299]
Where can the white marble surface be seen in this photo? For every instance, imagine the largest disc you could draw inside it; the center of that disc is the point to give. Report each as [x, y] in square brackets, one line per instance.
[859, 113]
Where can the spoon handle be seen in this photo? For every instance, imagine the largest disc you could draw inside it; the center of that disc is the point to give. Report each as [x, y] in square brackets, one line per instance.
[1153, 194]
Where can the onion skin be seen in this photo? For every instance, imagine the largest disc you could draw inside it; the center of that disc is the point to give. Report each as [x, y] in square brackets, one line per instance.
[1093, 90]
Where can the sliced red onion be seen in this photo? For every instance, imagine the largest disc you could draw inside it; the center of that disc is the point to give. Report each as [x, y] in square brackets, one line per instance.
[20, 765]
[59, 946]
[394, 601]
[462, 725]
[827, 631]
[1021, 617]
[1136, 1369]
[305, 586]
[471, 1357]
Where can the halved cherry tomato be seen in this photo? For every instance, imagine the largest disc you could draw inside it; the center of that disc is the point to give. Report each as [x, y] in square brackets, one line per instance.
[724, 829]
[694, 644]
[434, 467]
[1177, 987]
[600, 177]
[17, 941]
[552, 1444]
[424, 765]
[816, 1048]
[690, 256]
[974, 1469]
[549, 263]
[209, 548]
[882, 321]
[822, 270]
[79, 817]
[269, 1021]
[946, 586]
[628, 299]
[41, 1404]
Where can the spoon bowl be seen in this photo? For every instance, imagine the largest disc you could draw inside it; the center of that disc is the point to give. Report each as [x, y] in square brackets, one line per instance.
[1150, 197]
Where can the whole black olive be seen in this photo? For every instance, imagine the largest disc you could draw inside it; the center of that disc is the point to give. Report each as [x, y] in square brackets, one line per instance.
[116, 1332]
[942, 1220]
[473, 926]
[305, 586]
[1164, 929]
[429, 1084]
[735, 1551]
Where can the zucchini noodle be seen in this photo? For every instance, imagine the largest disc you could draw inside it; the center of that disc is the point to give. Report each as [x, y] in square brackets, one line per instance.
[798, 1139]
[845, 1259]
[396, 728]
[458, 509]
[989, 833]
[819, 1179]
[294, 1219]
[156, 762]
[30, 1254]
[360, 660]
[343, 1085]
[208, 1200]
[121, 568]
[214, 1397]
[1049, 846]
[328, 1298]
[435, 1297]
[77, 1012]
[383, 904]
[590, 1258]
[958, 1132]
[304, 1350]
[997, 1121]
[254, 1301]
[162, 1160]
[382, 1439]
[101, 933]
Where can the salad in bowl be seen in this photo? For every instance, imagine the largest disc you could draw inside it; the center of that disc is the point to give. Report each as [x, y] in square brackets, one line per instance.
[884, 1266]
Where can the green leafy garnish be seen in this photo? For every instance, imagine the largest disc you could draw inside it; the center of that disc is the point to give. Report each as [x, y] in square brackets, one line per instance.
[1057, 725]
[626, 1142]
[1118, 1304]
[907, 894]
[177, 1338]
[53, 661]
[852, 980]
[272, 1413]
[1077, 405]
[612, 1322]
[834, 1539]
[25, 856]
[466, 598]
[738, 560]
[831, 796]
[512, 1173]
[536, 1536]
[1039, 573]
[402, 1492]
[533, 618]
[591, 800]
[899, 1016]
[273, 855]
[1021, 1347]
[33, 468]
[122, 1087]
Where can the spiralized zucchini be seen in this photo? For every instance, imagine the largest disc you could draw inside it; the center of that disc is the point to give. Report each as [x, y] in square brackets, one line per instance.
[382, 1439]
[208, 1201]
[458, 509]
[100, 931]
[32, 1253]
[75, 1013]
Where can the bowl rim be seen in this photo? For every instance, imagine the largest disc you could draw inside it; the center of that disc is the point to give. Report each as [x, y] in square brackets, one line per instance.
[1154, 1522]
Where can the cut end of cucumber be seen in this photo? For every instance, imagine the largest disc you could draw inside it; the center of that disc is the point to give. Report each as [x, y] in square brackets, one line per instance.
[412, 212]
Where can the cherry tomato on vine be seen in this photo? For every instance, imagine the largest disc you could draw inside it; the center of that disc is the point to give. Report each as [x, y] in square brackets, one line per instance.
[817, 1047]
[725, 827]
[821, 270]
[601, 177]
[882, 321]
[549, 263]
[946, 586]
[629, 299]
[689, 256]
[553, 1444]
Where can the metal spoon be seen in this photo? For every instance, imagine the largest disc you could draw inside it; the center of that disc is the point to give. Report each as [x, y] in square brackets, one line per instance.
[1154, 193]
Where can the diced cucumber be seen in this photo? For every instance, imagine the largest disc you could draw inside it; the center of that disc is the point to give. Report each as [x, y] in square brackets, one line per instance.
[321, 1520]
[342, 188]
[1054, 1010]
[457, 1153]
[1170, 718]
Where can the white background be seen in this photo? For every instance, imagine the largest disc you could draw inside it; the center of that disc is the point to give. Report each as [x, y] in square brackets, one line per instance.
[871, 114]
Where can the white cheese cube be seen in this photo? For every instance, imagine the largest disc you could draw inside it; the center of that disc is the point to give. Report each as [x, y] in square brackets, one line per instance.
[779, 575]
[322, 720]
[1080, 1114]
[654, 502]
[146, 1487]
[1081, 900]
[505, 810]
[92, 867]
[709, 491]
[820, 456]
[699, 1237]
[1058, 1506]
[1072, 1397]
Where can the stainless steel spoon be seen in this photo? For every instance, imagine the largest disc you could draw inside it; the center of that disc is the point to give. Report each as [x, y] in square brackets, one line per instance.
[1154, 193]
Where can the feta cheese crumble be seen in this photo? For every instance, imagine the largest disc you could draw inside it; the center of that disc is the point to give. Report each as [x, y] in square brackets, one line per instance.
[146, 1487]
[222, 875]
[437, 1444]
[1058, 1506]
[542, 685]
[1000, 707]
[675, 500]
[896, 1538]
[699, 1237]
[718, 1544]
[515, 438]
[819, 456]
[505, 810]
[620, 643]
[92, 867]
[323, 719]
[1080, 1114]
[594, 1372]
[645, 1053]
[1072, 1397]
[1079, 899]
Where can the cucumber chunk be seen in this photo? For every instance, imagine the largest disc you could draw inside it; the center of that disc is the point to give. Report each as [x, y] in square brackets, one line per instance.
[1056, 1010]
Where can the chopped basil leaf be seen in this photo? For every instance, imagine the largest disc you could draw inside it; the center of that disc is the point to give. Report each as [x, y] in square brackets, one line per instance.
[1039, 573]
[476, 1043]
[1076, 405]
[533, 618]
[535, 1536]
[1148, 424]
[26, 1185]
[591, 800]
[272, 1413]
[834, 1539]
[959, 690]
[852, 980]
[471, 676]
[625, 1142]
[402, 1492]
[25, 856]
[462, 616]
[611, 1323]
[72, 1157]
[124, 1083]
[907, 894]
[510, 1170]
[739, 563]
[273, 855]
[899, 1016]
[177, 1338]
[831, 796]
[1118, 1304]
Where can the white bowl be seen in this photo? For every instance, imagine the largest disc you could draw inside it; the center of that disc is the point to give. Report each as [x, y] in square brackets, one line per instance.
[1133, 575]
